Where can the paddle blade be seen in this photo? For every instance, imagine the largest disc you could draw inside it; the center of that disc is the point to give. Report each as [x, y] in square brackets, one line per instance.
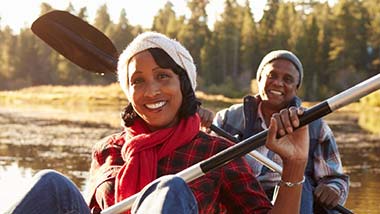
[77, 40]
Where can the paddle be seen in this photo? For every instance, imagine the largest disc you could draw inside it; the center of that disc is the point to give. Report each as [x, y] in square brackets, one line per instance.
[92, 50]
[317, 111]
[77, 40]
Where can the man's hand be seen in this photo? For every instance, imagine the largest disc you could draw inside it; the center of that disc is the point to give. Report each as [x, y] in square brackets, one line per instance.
[207, 117]
[327, 196]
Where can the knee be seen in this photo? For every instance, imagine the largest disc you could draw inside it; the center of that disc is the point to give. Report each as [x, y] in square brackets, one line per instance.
[47, 174]
[51, 179]
[171, 181]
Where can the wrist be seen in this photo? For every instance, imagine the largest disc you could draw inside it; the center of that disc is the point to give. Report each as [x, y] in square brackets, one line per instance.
[293, 170]
[295, 161]
[291, 184]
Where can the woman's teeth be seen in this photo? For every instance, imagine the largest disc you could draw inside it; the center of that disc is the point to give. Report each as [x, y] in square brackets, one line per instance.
[155, 105]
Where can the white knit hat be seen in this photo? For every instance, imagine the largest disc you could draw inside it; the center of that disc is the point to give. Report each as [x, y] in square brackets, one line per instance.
[148, 40]
[281, 54]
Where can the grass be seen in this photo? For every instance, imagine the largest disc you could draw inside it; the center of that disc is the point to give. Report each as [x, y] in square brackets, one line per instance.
[111, 96]
[96, 96]
[372, 99]
[102, 104]
[94, 104]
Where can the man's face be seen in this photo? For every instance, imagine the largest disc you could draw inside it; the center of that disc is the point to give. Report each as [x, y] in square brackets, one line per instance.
[278, 83]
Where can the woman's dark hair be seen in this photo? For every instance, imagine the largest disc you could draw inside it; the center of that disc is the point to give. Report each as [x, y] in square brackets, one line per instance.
[189, 104]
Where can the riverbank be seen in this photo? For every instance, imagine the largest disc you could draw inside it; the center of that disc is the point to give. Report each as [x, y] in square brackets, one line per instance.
[31, 128]
[80, 116]
[87, 126]
[107, 96]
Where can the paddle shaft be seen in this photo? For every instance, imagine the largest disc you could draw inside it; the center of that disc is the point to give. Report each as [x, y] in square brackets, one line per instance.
[322, 109]
[254, 154]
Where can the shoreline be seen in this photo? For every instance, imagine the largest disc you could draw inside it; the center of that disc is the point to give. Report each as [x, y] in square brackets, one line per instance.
[51, 131]
[88, 127]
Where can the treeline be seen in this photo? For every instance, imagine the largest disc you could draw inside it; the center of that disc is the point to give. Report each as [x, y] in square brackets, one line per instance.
[338, 44]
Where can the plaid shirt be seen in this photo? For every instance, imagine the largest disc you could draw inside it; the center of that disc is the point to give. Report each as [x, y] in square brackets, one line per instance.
[232, 188]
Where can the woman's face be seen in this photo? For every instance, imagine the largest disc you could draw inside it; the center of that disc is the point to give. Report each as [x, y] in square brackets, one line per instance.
[154, 92]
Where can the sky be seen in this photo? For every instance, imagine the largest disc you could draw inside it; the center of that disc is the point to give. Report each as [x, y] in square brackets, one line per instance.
[21, 13]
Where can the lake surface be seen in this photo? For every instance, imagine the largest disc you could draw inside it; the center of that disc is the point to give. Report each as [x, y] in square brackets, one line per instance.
[36, 139]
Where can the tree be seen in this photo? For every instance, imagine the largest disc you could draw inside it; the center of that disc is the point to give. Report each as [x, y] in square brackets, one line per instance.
[102, 18]
[70, 8]
[37, 60]
[195, 32]
[373, 8]
[166, 22]
[7, 58]
[266, 25]
[30, 70]
[175, 25]
[228, 33]
[349, 47]
[211, 63]
[82, 13]
[249, 47]
[307, 46]
[286, 21]
[121, 33]
[322, 13]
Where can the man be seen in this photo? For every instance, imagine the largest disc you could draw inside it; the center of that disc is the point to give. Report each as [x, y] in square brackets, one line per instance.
[279, 77]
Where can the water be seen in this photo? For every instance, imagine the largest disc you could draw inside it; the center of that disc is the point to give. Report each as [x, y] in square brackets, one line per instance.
[29, 144]
[18, 163]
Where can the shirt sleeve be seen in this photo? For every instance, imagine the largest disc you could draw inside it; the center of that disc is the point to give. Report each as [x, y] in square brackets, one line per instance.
[327, 163]
[105, 164]
[231, 120]
[220, 118]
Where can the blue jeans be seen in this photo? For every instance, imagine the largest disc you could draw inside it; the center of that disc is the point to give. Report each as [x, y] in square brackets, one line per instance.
[53, 193]
[167, 194]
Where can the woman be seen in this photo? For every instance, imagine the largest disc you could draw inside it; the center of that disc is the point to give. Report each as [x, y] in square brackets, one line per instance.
[162, 136]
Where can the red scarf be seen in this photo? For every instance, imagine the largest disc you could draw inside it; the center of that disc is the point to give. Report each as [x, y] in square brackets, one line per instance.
[143, 149]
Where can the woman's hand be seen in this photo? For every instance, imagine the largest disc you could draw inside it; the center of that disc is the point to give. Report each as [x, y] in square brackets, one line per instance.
[292, 144]
[293, 147]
